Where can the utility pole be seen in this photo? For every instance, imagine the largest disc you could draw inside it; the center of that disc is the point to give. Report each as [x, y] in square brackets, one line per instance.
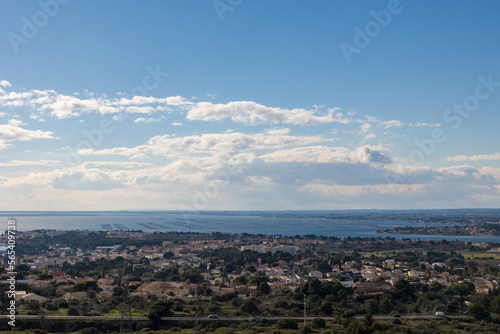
[126, 327]
[198, 308]
[129, 307]
[305, 310]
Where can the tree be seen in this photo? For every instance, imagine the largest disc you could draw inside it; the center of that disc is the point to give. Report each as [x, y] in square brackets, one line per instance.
[385, 305]
[368, 319]
[251, 269]
[249, 307]
[372, 306]
[91, 294]
[73, 311]
[160, 308]
[22, 267]
[403, 288]
[240, 280]
[257, 280]
[479, 312]
[34, 305]
[45, 277]
[326, 308]
[495, 304]
[118, 291]
[323, 267]
[229, 267]
[264, 288]
[168, 255]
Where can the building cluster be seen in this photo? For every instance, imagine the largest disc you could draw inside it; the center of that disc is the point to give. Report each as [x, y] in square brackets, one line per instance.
[368, 276]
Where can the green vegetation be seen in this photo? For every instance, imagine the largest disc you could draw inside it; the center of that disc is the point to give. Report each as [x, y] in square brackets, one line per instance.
[347, 284]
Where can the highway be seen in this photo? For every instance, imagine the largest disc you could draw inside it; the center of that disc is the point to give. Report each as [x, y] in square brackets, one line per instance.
[249, 318]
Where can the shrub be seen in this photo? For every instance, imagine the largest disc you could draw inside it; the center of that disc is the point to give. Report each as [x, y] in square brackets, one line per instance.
[50, 307]
[73, 311]
[36, 331]
[287, 324]
[90, 330]
[319, 322]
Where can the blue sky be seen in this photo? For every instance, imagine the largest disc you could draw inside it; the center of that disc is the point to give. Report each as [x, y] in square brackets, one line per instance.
[237, 104]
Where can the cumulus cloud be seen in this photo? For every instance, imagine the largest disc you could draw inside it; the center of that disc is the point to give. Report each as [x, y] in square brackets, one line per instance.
[140, 110]
[384, 124]
[476, 157]
[212, 143]
[148, 120]
[5, 83]
[140, 100]
[249, 112]
[16, 122]
[9, 133]
[64, 106]
[257, 165]
[89, 180]
[328, 155]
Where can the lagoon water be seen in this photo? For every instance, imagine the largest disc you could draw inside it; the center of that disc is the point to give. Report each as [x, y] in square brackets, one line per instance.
[254, 222]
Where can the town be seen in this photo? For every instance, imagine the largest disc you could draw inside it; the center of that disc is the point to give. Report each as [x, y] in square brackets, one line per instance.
[134, 273]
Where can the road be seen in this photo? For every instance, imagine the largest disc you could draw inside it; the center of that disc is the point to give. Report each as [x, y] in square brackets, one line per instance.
[250, 318]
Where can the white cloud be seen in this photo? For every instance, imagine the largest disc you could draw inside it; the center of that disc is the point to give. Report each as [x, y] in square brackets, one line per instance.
[16, 122]
[249, 112]
[328, 155]
[273, 166]
[10, 133]
[5, 83]
[392, 123]
[213, 143]
[140, 100]
[148, 120]
[29, 163]
[385, 124]
[365, 129]
[476, 157]
[140, 110]
[107, 109]
[425, 124]
[356, 191]
[64, 106]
